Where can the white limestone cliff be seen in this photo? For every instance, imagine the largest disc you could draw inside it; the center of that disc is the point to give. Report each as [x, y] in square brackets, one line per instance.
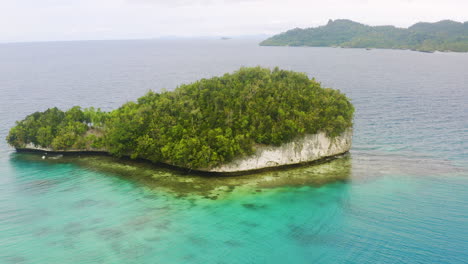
[306, 149]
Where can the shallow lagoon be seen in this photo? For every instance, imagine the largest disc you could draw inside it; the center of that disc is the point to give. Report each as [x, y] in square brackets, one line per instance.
[399, 197]
[377, 212]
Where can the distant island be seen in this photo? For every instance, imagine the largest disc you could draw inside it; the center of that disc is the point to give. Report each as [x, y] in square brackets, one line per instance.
[445, 35]
[251, 119]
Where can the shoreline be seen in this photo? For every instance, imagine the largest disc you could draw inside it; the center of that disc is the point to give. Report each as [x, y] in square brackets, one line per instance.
[306, 150]
[160, 177]
[368, 48]
[89, 153]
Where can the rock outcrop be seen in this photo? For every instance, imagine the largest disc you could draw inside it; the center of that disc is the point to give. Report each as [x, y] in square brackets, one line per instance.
[303, 150]
[306, 149]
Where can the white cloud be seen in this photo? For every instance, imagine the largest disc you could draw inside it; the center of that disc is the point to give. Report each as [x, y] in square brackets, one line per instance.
[24, 20]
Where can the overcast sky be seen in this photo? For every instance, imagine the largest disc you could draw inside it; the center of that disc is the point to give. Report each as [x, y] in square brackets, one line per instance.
[42, 20]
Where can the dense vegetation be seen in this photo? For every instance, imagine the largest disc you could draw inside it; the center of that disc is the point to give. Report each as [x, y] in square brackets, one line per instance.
[55, 129]
[198, 125]
[445, 35]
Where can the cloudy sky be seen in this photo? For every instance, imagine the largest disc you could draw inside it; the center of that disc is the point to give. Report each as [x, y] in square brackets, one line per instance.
[43, 20]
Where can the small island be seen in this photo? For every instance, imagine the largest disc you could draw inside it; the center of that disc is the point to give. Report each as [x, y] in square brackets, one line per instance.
[252, 119]
[444, 35]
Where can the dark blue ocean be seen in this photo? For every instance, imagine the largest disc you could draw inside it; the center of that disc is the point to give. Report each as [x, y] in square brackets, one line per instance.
[405, 199]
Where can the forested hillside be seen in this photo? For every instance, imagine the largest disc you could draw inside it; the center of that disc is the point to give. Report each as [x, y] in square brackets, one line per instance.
[445, 35]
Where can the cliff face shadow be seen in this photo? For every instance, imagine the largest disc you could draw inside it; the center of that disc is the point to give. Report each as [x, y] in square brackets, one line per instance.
[183, 183]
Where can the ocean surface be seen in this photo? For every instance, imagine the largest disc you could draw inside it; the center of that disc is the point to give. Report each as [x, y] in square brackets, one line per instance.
[404, 197]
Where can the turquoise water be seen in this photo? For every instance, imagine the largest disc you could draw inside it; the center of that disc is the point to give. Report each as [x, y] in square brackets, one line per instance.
[65, 214]
[405, 199]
